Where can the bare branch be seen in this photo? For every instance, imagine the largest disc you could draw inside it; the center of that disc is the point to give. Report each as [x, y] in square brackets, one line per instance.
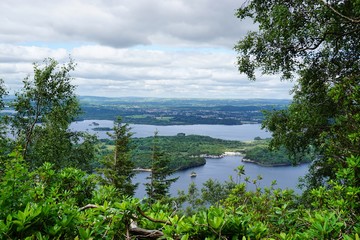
[145, 233]
[88, 206]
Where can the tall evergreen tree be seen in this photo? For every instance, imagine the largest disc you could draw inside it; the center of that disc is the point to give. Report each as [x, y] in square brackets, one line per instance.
[118, 169]
[159, 182]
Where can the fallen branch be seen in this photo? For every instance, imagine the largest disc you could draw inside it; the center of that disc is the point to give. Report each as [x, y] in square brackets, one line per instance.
[145, 233]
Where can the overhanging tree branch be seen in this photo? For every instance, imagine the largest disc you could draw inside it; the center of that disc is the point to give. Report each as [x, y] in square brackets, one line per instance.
[356, 21]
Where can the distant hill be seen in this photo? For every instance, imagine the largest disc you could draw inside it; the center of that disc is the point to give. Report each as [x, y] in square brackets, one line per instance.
[174, 111]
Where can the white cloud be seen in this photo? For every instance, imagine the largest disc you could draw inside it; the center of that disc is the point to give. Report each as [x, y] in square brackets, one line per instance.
[173, 48]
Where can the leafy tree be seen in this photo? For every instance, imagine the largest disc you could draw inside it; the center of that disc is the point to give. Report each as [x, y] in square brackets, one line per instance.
[118, 169]
[316, 42]
[158, 187]
[3, 128]
[45, 107]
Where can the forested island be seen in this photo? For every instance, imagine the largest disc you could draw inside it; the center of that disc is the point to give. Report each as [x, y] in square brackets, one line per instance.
[187, 151]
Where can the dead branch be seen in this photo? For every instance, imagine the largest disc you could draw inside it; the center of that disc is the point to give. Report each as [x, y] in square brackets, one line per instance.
[88, 206]
[145, 233]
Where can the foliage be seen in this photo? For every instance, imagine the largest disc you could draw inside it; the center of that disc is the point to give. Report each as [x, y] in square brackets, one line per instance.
[318, 43]
[159, 182]
[3, 138]
[41, 203]
[46, 203]
[117, 167]
[262, 155]
[182, 151]
[45, 107]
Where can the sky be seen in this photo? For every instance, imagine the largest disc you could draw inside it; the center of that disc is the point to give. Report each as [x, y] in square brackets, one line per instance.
[133, 48]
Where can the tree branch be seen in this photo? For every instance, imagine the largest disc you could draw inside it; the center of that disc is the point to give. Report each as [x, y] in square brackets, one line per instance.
[87, 206]
[145, 233]
[340, 14]
[152, 219]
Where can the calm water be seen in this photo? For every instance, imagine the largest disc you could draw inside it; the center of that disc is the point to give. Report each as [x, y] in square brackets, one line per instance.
[243, 132]
[220, 169]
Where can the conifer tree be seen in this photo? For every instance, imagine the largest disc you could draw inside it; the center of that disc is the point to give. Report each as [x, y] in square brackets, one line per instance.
[117, 167]
[159, 185]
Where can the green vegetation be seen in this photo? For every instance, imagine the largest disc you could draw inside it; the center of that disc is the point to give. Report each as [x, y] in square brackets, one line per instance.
[46, 203]
[157, 189]
[117, 167]
[182, 151]
[258, 152]
[45, 107]
[318, 41]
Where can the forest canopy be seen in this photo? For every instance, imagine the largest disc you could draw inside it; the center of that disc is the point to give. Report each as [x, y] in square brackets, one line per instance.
[317, 45]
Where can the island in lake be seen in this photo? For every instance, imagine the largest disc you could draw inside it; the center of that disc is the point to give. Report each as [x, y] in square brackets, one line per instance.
[188, 151]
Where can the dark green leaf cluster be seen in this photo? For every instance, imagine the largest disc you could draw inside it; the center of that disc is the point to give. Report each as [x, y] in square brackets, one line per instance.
[316, 42]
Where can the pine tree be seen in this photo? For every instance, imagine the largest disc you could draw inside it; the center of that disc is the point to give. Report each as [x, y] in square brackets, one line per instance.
[159, 185]
[117, 167]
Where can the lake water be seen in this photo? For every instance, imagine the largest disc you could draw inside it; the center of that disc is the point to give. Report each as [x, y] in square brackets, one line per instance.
[219, 169]
[243, 132]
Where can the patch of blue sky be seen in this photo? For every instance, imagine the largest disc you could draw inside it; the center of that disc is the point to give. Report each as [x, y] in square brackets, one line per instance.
[55, 45]
[183, 49]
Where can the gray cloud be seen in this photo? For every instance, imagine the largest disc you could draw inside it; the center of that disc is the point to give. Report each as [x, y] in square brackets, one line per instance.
[173, 48]
[122, 23]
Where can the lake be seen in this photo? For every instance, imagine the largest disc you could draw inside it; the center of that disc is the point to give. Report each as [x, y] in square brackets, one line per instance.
[243, 132]
[220, 169]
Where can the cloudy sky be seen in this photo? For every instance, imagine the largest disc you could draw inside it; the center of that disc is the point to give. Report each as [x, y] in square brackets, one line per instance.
[148, 48]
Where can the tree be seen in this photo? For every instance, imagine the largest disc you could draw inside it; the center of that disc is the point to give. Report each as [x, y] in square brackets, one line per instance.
[118, 169]
[158, 187]
[318, 43]
[3, 129]
[45, 107]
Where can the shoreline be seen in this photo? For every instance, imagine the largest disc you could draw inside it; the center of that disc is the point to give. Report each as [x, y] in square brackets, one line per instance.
[222, 155]
[245, 160]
